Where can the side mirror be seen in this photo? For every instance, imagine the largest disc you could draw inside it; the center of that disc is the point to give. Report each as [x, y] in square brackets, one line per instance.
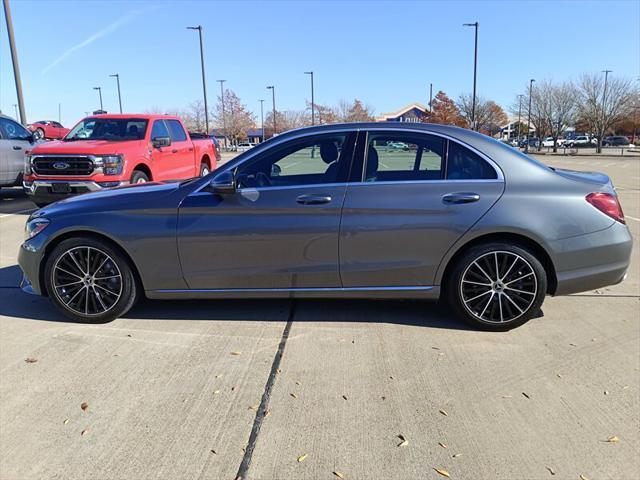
[223, 184]
[276, 170]
[159, 142]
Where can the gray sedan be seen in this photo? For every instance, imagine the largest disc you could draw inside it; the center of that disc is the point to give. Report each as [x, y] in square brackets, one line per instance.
[330, 211]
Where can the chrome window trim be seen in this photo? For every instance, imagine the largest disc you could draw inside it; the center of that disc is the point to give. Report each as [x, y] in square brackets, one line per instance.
[410, 182]
[300, 289]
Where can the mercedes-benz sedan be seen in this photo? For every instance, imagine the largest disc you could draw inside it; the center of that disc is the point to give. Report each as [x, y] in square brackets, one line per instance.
[331, 211]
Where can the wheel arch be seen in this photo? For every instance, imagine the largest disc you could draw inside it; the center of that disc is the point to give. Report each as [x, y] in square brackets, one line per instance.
[206, 160]
[143, 167]
[515, 238]
[84, 234]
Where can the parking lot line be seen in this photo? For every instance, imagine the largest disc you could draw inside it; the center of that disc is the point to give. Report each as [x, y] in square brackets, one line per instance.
[632, 218]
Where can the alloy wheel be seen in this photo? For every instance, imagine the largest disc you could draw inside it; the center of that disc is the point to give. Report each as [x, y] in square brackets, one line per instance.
[87, 281]
[498, 287]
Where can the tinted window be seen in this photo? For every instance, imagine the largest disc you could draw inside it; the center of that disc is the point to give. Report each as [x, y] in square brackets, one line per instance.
[404, 157]
[317, 160]
[57, 125]
[110, 129]
[463, 164]
[177, 132]
[12, 130]
[159, 129]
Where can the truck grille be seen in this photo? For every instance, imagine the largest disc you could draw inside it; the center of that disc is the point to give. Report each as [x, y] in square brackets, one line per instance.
[62, 165]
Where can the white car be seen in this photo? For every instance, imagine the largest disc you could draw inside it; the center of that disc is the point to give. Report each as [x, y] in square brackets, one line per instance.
[243, 147]
[579, 141]
[548, 142]
[15, 142]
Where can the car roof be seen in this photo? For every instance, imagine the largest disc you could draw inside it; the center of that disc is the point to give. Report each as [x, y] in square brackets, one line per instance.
[146, 116]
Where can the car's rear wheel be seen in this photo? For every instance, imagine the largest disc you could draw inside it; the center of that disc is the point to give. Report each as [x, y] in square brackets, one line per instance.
[139, 176]
[204, 170]
[497, 286]
[89, 281]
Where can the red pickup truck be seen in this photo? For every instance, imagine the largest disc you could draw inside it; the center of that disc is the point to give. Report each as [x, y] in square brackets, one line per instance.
[104, 151]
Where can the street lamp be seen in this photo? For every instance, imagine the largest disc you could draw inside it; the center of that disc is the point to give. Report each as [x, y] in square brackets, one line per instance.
[604, 97]
[526, 147]
[430, 98]
[99, 93]
[15, 106]
[273, 97]
[262, 118]
[313, 116]
[224, 117]
[204, 83]
[475, 71]
[117, 76]
[519, 113]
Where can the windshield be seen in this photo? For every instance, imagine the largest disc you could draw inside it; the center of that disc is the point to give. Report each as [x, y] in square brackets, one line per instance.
[112, 129]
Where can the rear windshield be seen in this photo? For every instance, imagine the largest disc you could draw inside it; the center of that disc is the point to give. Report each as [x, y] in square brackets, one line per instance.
[110, 129]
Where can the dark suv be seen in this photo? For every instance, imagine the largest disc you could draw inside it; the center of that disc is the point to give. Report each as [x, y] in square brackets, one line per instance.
[617, 140]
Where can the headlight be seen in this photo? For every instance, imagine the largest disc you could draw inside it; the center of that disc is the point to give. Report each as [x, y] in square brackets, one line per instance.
[111, 164]
[35, 226]
[27, 165]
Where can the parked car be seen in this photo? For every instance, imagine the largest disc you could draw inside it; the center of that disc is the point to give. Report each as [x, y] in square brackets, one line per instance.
[616, 140]
[547, 142]
[580, 141]
[15, 142]
[106, 151]
[243, 147]
[47, 130]
[397, 146]
[486, 227]
[532, 142]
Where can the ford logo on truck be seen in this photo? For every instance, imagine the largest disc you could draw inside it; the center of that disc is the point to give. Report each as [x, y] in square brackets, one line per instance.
[61, 165]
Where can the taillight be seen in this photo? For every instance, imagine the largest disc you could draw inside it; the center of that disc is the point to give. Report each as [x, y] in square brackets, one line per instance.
[607, 204]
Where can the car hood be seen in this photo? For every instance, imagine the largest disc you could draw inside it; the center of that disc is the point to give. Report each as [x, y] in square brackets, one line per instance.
[94, 147]
[138, 196]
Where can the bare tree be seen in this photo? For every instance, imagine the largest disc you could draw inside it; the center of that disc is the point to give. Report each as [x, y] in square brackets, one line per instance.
[562, 109]
[599, 109]
[489, 116]
[237, 118]
[355, 111]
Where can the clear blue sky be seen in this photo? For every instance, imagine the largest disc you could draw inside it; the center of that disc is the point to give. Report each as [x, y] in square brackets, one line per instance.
[384, 53]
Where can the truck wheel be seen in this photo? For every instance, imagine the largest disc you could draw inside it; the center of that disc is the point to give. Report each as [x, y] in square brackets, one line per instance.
[139, 177]
[204, 169]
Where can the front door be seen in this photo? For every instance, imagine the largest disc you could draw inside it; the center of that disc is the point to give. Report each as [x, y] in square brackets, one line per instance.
[280, 229]
[409, 207]
[166, 164]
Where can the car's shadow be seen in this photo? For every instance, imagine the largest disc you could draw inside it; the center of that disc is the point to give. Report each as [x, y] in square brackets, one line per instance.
[14, 200]
[17, 304]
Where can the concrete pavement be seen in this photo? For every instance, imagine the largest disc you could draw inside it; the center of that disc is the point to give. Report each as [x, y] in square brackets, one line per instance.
[180, 389]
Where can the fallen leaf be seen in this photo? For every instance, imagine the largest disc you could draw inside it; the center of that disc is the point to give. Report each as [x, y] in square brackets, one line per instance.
[526, 395]
[215, 392]
[613, 439]
[551, 471]
[606, 392]
[84, 405]
[383, 397]
[456, 455]
[302, 458]
[573, 344]
[266, 412]
[213, 451]
[219, 375]
[344, 396]
[507, 396]
[293, 395]
[442, 472]
[443, 445]
[84, 432]
[559, 376]
[66, 420]
[403, 441]
[443, 412]
[298, 383]
[236, 353]
[625, 387]
[582, 477]
[338, 474]
[30, 360]
[253, 407]
[435, 348]
[233, 389]
[390, 377]
[279, 370]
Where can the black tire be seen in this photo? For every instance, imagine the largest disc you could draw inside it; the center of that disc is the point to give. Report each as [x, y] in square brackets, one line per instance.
[204, 169]
[138, 176]
[117, 289]
[38, 134]
[513, 296]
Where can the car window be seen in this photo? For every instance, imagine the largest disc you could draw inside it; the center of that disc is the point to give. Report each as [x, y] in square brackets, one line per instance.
[13, 131]
[404, 156]
[316, 160]
[177, 132]
[463, 164]
[159, 129]
[57, 125]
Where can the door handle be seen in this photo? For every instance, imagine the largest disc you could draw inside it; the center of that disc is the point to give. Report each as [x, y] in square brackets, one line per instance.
[460, 197]
[16, 147]
[313, 199]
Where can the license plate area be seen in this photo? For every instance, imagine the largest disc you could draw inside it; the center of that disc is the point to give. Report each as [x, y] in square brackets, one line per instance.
[60, 188]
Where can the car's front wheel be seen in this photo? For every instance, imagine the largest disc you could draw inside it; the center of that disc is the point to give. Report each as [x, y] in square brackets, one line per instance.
[497, 286]
[89, 280]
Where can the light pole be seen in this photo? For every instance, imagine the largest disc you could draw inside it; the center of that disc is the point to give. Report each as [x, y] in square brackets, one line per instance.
[273, 98]
[475, 71]
[430, 98]
[262, 117]
[119, 97]
[59, 113]
[14, 60]
[15, 106]
[604, 99]
[99, 93]
[224, 116]
[313, 115]
[519, 114]
[204, 83]
[526, 146]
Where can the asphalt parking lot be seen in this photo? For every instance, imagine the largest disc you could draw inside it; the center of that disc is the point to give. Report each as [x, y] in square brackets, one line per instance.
[322, 389]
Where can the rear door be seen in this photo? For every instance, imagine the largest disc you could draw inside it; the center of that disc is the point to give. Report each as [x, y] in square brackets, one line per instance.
[183, 150]
[416, 194]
